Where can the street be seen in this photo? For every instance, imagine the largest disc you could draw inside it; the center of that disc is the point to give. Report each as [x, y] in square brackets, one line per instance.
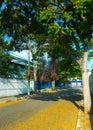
[17, 113]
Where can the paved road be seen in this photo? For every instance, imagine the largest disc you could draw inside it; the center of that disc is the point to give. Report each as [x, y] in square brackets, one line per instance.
[19, 112]
[16, 113]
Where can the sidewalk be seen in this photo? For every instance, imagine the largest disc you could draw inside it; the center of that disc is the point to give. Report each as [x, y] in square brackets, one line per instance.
[10, 99]
[84, 121]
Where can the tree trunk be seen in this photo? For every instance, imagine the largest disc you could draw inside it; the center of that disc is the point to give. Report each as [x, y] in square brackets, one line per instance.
[53, 84]
[35, 75]
[86, 88]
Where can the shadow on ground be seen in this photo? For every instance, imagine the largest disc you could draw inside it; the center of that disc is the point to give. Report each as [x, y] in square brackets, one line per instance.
[73, 95]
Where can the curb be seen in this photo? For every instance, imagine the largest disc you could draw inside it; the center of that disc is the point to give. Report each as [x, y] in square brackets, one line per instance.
[11, 100]
[83, 122]
[78, 124]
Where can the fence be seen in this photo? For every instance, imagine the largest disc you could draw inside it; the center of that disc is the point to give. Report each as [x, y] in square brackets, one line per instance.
[11, 87]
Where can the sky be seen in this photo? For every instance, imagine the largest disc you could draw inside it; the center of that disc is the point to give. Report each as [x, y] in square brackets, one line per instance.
[90, 64]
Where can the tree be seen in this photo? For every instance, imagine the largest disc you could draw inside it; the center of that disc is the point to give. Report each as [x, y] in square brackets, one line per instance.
[36, 52]
[5, 64]
[7, 67]
[68, 69]
[65, 22]
[53, 67]
[74, 31]
[20, 21]
[20, 26]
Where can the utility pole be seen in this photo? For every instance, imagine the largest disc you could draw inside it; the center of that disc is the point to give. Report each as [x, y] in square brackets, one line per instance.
[28, 72]
[29, 48]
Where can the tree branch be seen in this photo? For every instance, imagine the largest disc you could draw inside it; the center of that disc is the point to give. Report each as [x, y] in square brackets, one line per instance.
[77, 46]
[69, 51]
[59, 5]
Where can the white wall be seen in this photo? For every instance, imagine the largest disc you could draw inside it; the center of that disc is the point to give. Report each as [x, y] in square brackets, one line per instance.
[10, 87]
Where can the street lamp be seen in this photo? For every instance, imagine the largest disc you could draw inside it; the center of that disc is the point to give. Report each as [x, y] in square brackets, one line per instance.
[29, 48]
